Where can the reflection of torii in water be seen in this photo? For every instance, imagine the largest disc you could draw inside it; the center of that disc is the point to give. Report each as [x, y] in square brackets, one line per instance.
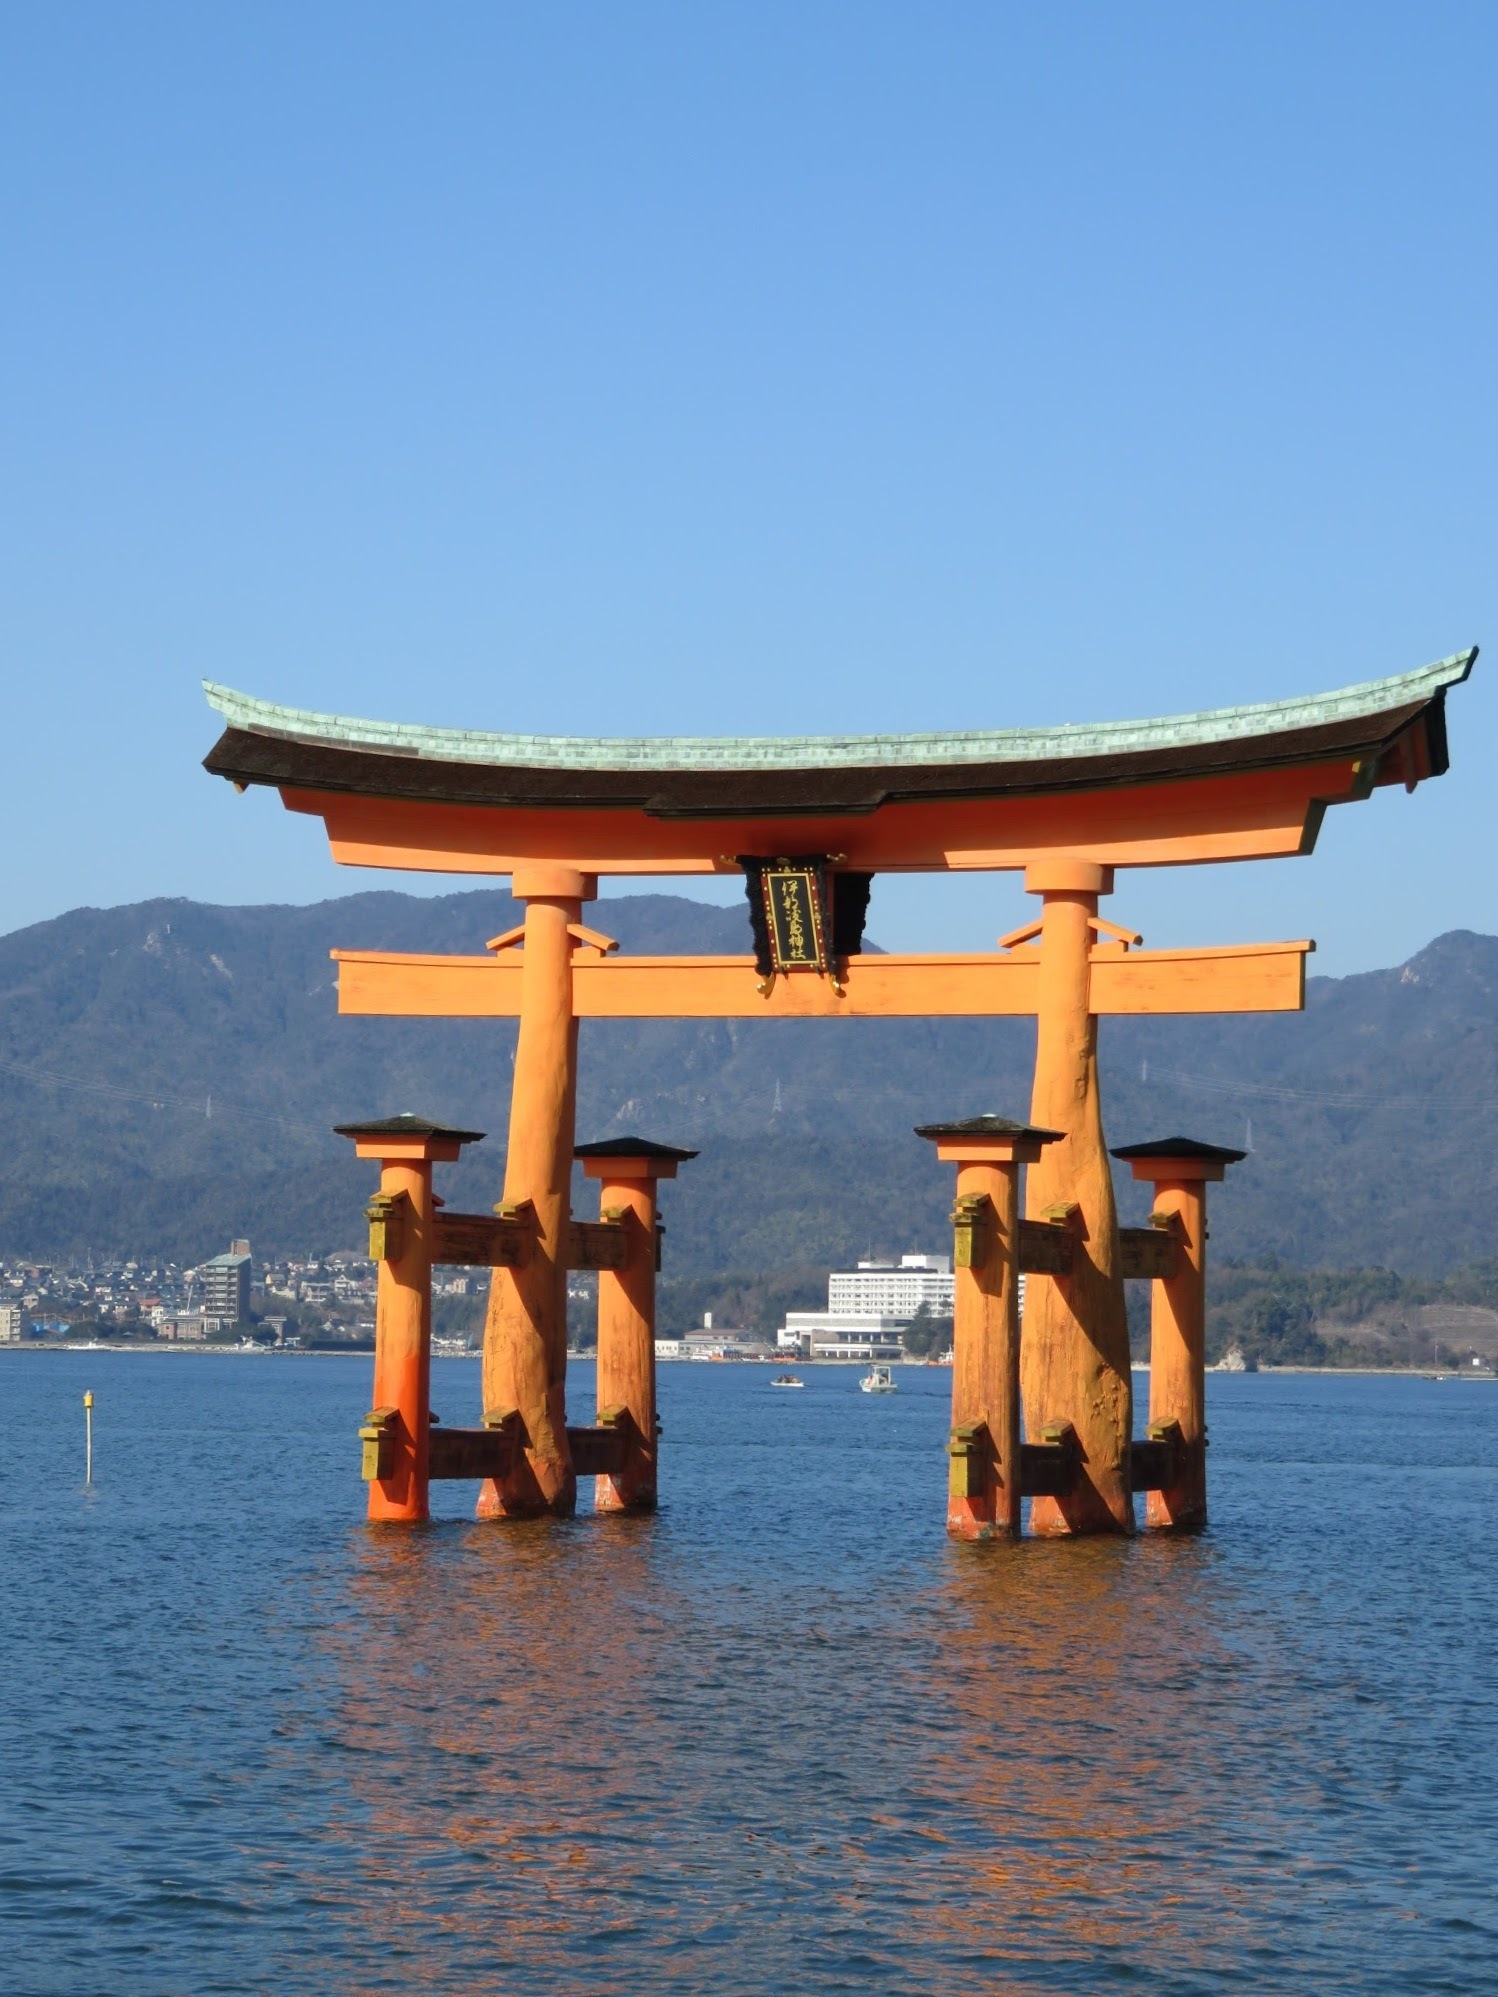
[1068, 807]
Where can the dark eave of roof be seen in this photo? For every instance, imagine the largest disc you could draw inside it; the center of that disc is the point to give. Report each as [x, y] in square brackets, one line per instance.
[631, 1147]
[248, 756]
[407, 1126]
[1180, 1147]
[989, 1126]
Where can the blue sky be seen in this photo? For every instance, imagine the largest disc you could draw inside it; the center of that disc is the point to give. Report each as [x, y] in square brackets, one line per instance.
[772, 368]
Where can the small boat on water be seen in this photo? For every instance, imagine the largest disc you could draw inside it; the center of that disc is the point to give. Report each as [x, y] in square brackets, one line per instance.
[787, 1380]
[878, 1380]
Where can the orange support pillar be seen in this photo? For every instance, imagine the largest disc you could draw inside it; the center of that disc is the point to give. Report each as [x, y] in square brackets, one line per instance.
[525, 1337]
[1076, 1344]
[628, 1168]
[398, 1434]
[1179, 1169]
[983, 1497]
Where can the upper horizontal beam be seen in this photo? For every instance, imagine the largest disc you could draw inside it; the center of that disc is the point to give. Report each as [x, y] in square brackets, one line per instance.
[1252, 977]
[1252, 815]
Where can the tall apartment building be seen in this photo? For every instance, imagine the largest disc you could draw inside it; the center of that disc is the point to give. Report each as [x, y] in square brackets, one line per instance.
[11, 1324]
[226, 1284]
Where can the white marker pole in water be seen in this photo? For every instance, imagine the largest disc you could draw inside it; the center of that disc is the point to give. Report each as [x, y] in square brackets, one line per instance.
[88, 1444]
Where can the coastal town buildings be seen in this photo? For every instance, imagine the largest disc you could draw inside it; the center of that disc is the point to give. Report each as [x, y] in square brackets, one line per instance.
[325, 1298]
[710, 1341]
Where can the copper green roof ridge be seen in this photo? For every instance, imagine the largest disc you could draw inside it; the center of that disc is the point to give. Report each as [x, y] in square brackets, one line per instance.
[823, 752]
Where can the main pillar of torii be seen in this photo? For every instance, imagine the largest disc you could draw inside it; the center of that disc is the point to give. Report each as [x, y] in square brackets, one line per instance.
[525, 1336]
[1075, 1350]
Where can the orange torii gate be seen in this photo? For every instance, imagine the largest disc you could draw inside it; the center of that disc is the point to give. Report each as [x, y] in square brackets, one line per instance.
[809, 822]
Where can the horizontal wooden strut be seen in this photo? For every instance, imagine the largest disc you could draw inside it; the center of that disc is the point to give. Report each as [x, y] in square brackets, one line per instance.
[458, 1453]
[503, 1240]
[1245, 977]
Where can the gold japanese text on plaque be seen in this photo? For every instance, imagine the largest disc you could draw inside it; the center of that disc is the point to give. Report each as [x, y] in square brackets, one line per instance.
[793, 917]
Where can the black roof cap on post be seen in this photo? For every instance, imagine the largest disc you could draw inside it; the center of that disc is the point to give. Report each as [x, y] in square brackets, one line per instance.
[1180, 1147]
[988, 1126]
[631, 1147]
[407, 1126]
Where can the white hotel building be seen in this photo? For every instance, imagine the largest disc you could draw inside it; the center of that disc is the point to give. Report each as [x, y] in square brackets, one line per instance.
[869, 1307]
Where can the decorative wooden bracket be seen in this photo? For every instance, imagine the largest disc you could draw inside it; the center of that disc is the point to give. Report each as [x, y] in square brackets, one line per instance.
[1101, 926]
[594, 939]
[969, 1459]
[1026, 933]
[387, 1214]
[1098, 924]
[378, 1437]
[970, 1220]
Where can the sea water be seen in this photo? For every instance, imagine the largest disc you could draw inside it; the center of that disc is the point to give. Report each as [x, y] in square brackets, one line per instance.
[781, 1736]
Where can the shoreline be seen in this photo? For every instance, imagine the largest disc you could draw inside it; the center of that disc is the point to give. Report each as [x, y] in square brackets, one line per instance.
[195, 1350]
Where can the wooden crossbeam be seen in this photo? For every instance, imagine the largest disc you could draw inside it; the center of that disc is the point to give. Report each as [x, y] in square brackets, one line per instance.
[480, 1241]
[1148, 1253]
[500, 1241]
[456, 1453]
[1155, 1461]
[1046, 1247]
[1248, 977]
[1050, 1469]
[597, 1244]
[598, 1452]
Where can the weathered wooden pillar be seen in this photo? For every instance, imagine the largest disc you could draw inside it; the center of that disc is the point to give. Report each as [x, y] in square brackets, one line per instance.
[525, 1337]
[628, 1168]
[1075, 1359]
[397, 1433]
[983, 1492]
[1179, 1168]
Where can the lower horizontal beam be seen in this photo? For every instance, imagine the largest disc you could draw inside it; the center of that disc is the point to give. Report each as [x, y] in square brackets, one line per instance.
[470, 1452]
[1050, 1469]
[1250, 977]
[1155, 1462]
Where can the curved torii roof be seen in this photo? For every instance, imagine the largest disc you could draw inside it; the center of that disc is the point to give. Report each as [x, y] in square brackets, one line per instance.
[975, 798]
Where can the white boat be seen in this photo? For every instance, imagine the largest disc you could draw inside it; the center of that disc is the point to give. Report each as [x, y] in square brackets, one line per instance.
[787, 1380]
[878, 1380]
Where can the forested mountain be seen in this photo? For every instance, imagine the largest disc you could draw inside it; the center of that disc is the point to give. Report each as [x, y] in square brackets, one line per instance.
[169, 1073]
